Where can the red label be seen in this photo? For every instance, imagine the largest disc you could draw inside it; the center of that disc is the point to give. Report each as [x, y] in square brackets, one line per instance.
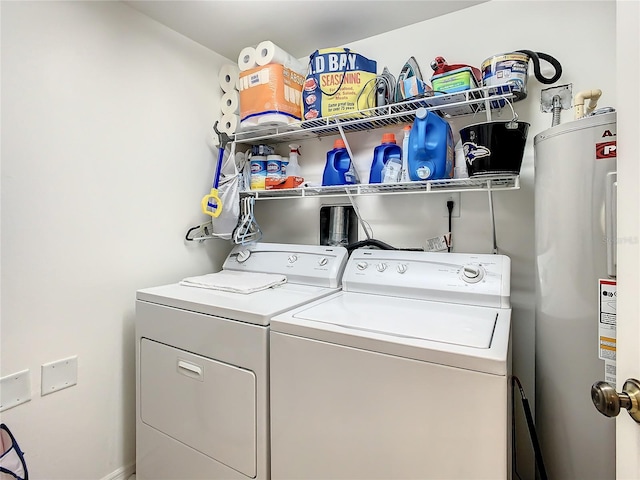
[606, 150]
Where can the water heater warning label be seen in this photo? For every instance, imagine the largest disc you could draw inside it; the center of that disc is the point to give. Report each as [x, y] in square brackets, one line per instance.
[607, 321]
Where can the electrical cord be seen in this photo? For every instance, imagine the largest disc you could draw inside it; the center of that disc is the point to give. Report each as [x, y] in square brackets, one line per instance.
[535, 58]
[450, 208]
[531, 427]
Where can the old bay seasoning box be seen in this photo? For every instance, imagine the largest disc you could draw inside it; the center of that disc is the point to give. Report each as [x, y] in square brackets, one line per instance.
[339, 82]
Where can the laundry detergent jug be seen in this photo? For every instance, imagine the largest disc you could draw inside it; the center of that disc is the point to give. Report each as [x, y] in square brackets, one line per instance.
[339, 169]
[431, 152]
[381, 155]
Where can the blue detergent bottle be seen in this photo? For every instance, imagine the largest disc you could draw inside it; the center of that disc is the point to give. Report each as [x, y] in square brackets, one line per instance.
[339, 169]
[381, 155]
[431, 151]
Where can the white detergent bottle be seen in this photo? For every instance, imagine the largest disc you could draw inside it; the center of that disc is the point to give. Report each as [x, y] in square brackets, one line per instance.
[293, 168]
[404, 174]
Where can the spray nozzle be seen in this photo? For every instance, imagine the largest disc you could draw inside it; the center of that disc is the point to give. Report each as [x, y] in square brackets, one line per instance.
[295, 148]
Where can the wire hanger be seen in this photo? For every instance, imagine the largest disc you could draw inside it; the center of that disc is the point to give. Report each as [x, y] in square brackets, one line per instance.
[248, 230]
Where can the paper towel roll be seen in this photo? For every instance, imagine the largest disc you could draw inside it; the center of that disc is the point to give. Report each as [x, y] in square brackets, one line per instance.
[273, 119]
[230, 102]
[229, 123]
[248, 123]
[267, 52]
[247, 59]
[228, 77]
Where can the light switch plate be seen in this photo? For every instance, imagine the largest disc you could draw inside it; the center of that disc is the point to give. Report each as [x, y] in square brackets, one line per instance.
[15, 389]
[59, 374]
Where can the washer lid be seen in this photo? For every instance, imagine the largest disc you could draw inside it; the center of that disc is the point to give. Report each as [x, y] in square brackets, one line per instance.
[463, 336]
[449, 323]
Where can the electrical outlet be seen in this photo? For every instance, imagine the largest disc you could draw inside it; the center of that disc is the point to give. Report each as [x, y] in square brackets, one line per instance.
[455, 196]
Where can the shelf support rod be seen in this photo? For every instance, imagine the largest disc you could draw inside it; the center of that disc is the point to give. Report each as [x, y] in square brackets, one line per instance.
[493, 218]
[346, 144]
[487, 105]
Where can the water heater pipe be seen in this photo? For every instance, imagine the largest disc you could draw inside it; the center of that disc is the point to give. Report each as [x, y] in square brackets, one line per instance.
[592, 96]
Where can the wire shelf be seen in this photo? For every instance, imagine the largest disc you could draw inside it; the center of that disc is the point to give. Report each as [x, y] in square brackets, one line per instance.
[479, 183]
[448, 105]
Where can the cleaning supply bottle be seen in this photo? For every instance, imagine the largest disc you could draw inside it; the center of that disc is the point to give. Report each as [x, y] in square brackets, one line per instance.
[404, 174]
[293, 167]
[339, 169]
[431, 151]
[381, 155]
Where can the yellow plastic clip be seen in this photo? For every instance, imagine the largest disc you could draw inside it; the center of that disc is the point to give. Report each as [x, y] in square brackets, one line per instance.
[211, 204]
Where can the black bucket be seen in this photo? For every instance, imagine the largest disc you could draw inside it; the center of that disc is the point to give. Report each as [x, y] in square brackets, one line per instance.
[494, 148]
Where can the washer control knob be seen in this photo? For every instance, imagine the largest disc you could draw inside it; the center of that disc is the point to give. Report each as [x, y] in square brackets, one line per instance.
[293, 258]
[323, 261]
[362, 265]
[472, 273]
[402, 268]
[243, 256]
[381, 267]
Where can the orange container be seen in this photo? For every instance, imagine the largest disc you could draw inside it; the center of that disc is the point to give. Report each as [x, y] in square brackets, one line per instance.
[280, 183]
[271, 89]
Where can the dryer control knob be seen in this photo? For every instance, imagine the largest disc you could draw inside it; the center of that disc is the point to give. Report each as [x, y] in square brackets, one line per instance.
[381, 267]
[323, 261]
[243, 256]
[472, 273]
[362, 265]
[402, 268]
[293, 258]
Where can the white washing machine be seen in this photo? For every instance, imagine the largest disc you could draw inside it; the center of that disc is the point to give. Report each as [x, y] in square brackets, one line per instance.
[202, 365]
[404, 374]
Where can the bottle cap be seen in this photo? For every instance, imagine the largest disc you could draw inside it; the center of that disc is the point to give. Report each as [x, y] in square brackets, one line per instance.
[406, 127]
[339, 143]
[388, 138]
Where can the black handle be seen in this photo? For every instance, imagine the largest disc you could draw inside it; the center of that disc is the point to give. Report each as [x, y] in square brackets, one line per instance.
[535, 57]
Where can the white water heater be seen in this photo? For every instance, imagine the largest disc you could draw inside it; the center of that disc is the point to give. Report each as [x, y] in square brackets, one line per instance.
[575, 165]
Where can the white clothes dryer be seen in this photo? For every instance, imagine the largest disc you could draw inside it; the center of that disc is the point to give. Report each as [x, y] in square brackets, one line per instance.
[404, 374]
[202, 364]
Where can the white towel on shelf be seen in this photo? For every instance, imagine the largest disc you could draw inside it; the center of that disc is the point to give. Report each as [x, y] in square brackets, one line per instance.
[236, 282]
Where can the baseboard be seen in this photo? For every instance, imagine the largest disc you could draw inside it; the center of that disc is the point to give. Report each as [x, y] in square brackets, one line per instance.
[122, 473]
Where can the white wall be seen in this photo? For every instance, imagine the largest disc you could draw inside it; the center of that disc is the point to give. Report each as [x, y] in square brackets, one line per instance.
[106, 134]
[470, 36]
[106, 121]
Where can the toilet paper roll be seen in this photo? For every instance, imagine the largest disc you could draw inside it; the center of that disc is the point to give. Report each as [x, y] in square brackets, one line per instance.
[247, 59]
[267, 52]
[230, 103]
[229, 123]
[228, 77]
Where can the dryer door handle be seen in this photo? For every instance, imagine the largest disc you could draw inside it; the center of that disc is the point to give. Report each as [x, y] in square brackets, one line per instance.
[190, 369]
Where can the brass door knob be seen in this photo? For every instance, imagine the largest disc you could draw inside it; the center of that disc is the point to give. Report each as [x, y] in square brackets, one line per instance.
[608, 402]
